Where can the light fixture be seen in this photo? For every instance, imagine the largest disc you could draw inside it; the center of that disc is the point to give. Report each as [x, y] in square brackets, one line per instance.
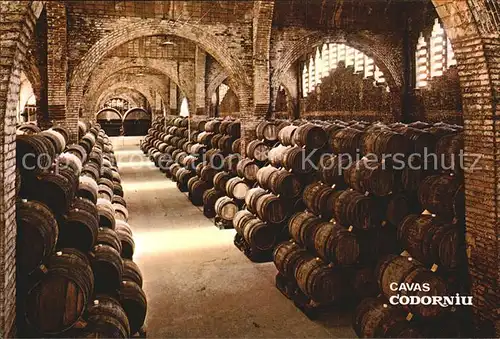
[166, 43]
[140, 74]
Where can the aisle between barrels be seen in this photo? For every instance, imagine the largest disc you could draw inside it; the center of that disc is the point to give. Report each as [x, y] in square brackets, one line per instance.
[197, 282]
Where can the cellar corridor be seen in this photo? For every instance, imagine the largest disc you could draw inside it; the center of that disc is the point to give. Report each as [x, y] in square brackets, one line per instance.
[197, 282]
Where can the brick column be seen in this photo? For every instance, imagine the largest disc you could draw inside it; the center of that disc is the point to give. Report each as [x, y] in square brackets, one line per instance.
[57, 67]
[17, 21]
[173, 99]
[476, 45]
[199, 80]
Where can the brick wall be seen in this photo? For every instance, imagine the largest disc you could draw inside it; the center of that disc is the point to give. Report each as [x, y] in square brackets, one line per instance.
[476, 50]
[17, 24]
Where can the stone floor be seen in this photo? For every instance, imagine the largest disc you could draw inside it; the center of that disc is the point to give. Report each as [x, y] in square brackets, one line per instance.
[197, 282]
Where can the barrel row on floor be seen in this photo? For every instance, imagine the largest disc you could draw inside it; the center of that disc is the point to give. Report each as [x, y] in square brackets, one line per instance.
[75, 273]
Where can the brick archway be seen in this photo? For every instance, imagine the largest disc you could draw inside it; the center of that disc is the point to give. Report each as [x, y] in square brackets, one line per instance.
[111, 92]
[116, 65]
[123, 96]
[476, 44]
[368, 44]
[150, 27]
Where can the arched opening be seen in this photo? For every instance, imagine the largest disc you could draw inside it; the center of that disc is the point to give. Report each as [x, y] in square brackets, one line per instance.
[184, 109]
[26, 104]
[120, 104]
[224, 101]
[337, 79]
[136, 122]
[110, 120]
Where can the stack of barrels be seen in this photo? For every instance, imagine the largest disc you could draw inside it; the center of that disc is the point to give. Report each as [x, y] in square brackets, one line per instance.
[366, 186]
[74, 248]
[201, 159]
[269, 193]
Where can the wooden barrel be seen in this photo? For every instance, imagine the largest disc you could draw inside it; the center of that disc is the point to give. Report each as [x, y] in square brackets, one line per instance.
[133, 301]
[237, 188]
[54, 190]
[286, 257]
[212, 126]
[172, 170]
[32, 154]
[226, 208]
[377, 318]
[78, 229]
[239, 220]
[132, 272]
[210, 197]
[368, 176]
[106, 317]
[183, 175]
[352, 208]
[335, 244]
[214, 158]
[270, 208]
[420, 140]
[225, 144]
[57, 301]
[91, 169]
[316, 197]
[385, 142]
[77, 150]
[331, 170]
[276, 154]
[56, 139]
[215, 140]
[121, 212]
[310, 136]
[106, 213]
[220, 180]
[247, 169]
[200, 126]
[398, 269]
[107, 236]
[263, 175]
[231, 163]
[37, 233]
[320, 282]
[431, 241]
[287, 135]
[251, 198]
[125, 235]
[299, 160]
[234, 129]
[105, 192]
[208, 173]
[257, 150]
[259, 235]
[107, 266]
[266, 130]
[346, 140]
[448, 150]
[285, 184]
[301, 227]
[397, 206]
[196, 188]
[236, 145]
[444, 196]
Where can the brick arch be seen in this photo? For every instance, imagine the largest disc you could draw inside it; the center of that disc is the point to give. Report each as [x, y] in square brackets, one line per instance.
[123, 96]
[150, 27]
[362, 41]
[109, 93]
[19, 19]
[32, 73]
[145, 85]
[262, 27]
[114, 65]
[123, 93]
[476, 44]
